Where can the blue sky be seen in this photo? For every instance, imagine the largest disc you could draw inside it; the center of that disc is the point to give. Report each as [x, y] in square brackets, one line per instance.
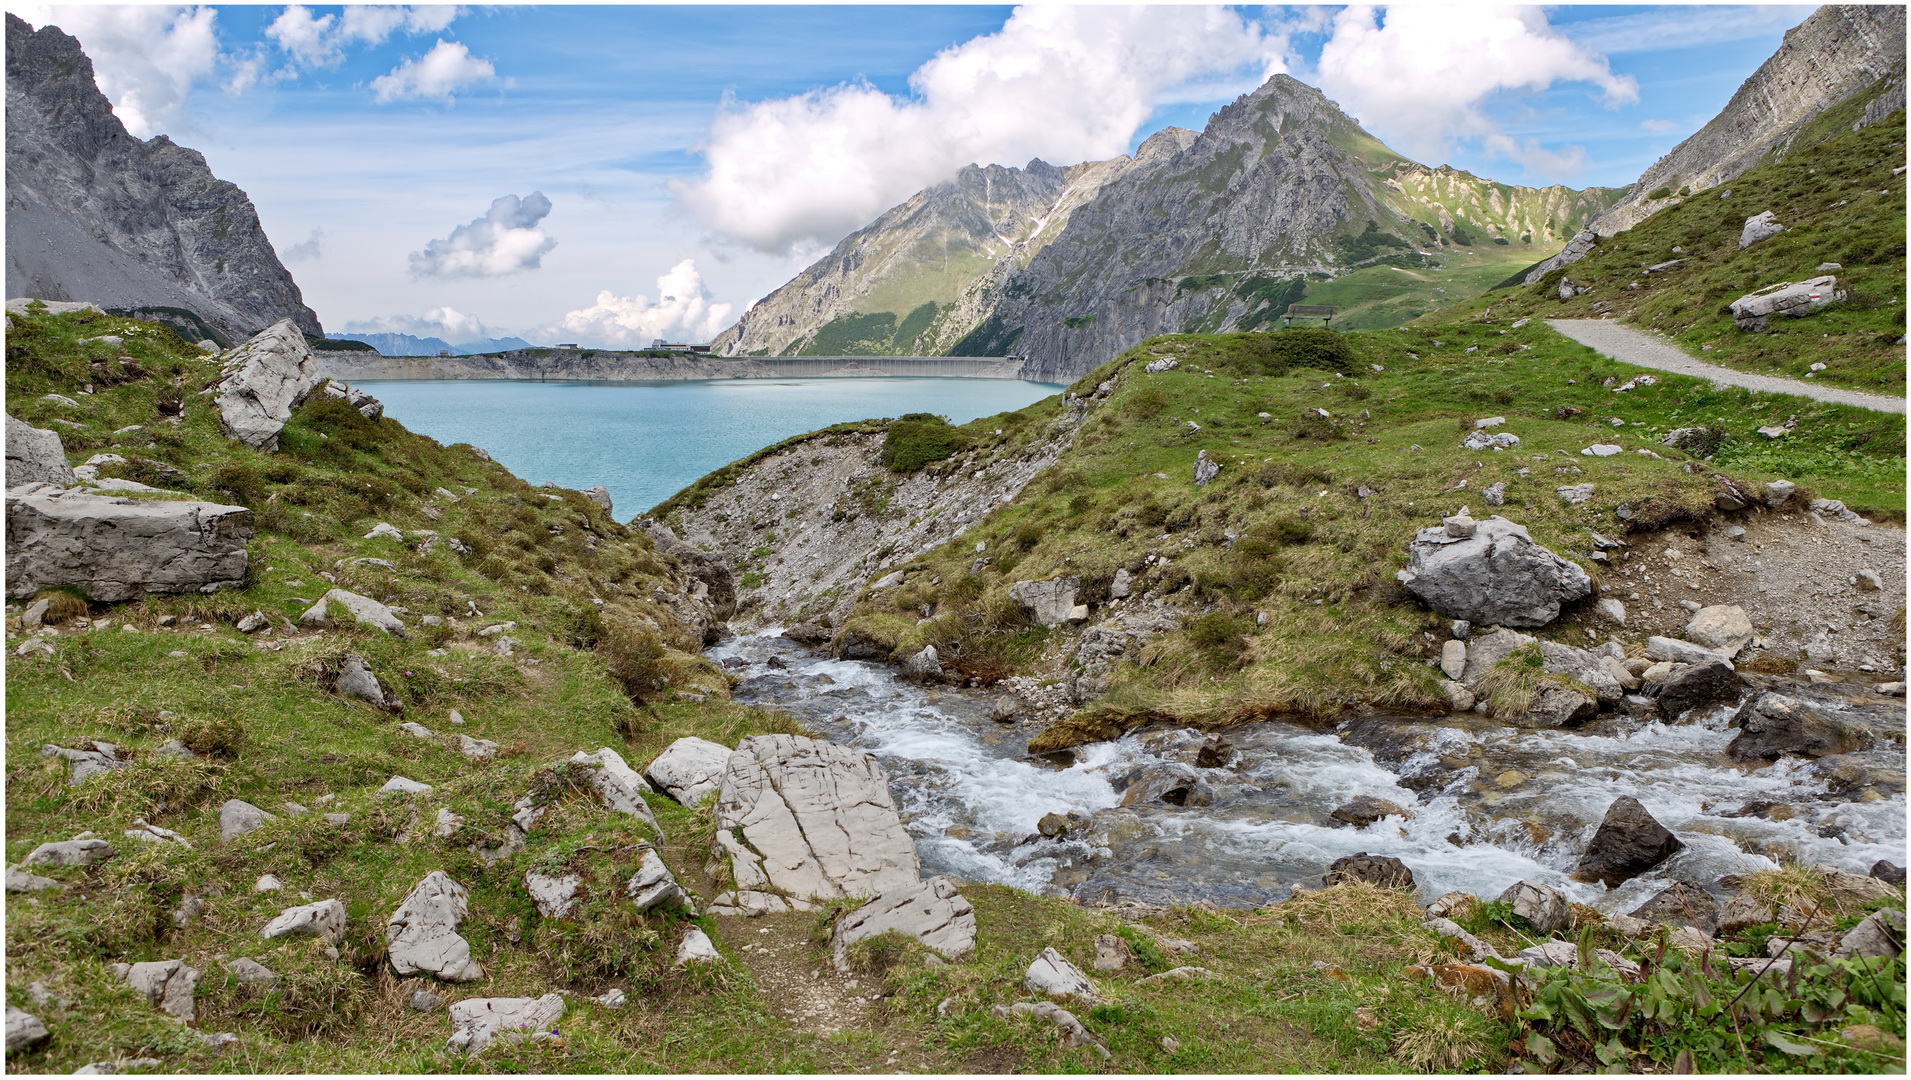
[691, 159]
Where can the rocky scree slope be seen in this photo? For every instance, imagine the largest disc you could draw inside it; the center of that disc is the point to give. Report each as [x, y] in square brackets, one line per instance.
[94, 214]
[1828, 217]
[1214, 231]
[906, 283]
[1840, 52]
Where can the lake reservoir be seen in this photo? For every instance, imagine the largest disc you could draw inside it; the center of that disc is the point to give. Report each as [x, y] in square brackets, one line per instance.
[646, 441]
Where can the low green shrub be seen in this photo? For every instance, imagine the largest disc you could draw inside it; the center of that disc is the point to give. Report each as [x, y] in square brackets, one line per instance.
[920, 439]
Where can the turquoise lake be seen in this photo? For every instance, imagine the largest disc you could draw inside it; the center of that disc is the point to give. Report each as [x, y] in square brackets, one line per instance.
[646, 441]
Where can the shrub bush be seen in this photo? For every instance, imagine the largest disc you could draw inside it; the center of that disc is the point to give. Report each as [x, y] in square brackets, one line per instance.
[920, 439]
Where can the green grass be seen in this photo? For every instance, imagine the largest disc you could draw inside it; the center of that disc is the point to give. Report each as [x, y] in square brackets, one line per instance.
[1838, 202]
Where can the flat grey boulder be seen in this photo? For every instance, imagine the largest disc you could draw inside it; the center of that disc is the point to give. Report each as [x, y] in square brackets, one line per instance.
[931, 912]
[19, 880]
[1070, 1026]
[1497, 576]
[477, 1020]
[653, 885]
[1051, 601]
[1542, 906]
[1880, 934]
[423, 933]
[251, 971]
[262, 381]
[811, 819]
[117, 549]
[1723, 628]
[24, 1030]
[355, 680]
[324, 919]
[621, 787]
[554, 895]
[1052, 975]
[404, 785]
[1762, 226]
[84, 852]
[340, 603]
[35, 456]
[169, 984]
[696, 948]
[1679, 652]
[689, 769]
[1772, 725]
[238, 817]
[96, 760]
[1754, 311]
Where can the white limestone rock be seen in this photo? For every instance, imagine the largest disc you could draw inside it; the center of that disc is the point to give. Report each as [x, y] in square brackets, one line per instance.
[25, 881]
[621, 787]
[83, 852]
[816, 820]
[423, 933]
[35, 456]
[1543, 906]
[1723, 628]
[689, 769]
[932, 912]
[324, 919]
[653, 885]
[238, 817]
[117, 549]
[169, 984]
[1051, 601]
[1051, 974]
[555, 895]
[24, 1030]
[263, 380]
[338, 603]
[476, 1021]
[696, 948]
[1496, 576]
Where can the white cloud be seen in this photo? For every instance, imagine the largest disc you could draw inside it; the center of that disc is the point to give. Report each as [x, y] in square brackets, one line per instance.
[318, 41]
[145, 58]
[310, 249]
[1062, 82]
[505, 240]
[1419, 76]
[1684, 27]
[448, 323]
[446, 69]
[1660, 127]
[683, 311]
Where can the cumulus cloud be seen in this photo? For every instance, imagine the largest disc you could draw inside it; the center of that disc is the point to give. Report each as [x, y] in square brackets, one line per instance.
[1660, 127]
[1420, 75]
[1062, 82]
[309, 249]
[447, 323]
[145, 59]
[682, 311]
[318, 41]
[505, 240]
[448, 68]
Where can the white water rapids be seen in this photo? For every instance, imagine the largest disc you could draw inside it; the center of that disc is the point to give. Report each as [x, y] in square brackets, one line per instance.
[1490, 804]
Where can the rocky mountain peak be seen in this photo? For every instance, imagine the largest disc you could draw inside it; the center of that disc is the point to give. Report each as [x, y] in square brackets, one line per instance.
[95, 214]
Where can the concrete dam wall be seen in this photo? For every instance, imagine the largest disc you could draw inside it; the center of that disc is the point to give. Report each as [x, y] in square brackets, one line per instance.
[591, 365]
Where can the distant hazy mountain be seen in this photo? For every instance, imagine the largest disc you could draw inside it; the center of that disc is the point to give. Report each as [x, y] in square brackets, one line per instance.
[1277, 198]
[408, 345]
[96, 214]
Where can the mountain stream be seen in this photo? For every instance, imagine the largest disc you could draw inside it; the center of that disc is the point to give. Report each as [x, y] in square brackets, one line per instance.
[1489, 804]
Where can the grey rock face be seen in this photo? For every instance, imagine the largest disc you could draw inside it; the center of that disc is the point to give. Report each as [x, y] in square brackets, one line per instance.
[1053, 976]
[1759, 227]
[1679, 652]
[1497, 576]
[35, 456]
[653, 885]
[1628, 842]
[361, 609]
[96, 214]
[324, 919]
[118, 549]
[599, 495]
[689, 769]
[478, 1020]
[932, 912]
[24, 1030]
[263, 380]
[1050, 601]
[169, 984]
[817, 820]
[237, 817]
[1681, 904]
[423, 932]
[1880, 934]
[1754, 311]
[69, 853]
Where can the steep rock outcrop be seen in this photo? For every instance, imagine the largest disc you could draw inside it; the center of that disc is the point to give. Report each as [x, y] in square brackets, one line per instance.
[117, 549]
[96, 214]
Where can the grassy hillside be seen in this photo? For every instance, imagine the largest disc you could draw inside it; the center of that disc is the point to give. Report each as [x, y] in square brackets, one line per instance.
[1334, 448]
[1839, 201]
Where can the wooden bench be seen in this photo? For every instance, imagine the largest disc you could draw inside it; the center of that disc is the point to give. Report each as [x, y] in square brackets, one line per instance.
[1324, 312]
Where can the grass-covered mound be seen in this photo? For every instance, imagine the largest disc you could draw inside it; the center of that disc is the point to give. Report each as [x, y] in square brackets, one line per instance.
[1284, 564]
[1837, 196]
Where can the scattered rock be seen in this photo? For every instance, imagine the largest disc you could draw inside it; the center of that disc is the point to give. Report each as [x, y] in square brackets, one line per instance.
[1723, 628]
[423, 932]
[1880, 934]
[1629, 842]
[1205, 469]
[932, 912]
[1007, 709]
[925, 666]
[1759, 227]
[1832, 508]
[1575, 494]
[477, 749]
[415, 730]
[363, 609]
[1697, 686]
[1742, 911]
[620, 787]
[1681, 904]
[263, 380]
[267, 883]
[1480, 440]
[554, 895]
[355, 680]
[1497, 576]
[1772, 725]
[1888, 872]
[424, 1001]
[402, 785]
[478, 1020]
[102, 758]
[1382, 870]
[35, 456]
[1051, 974]
[237, 818]
[324, 919]
[1753, 312]
[1679, 652]
[653, 885]
[252, 972]
[1543, 906]
[695, 948]
[24, 881]
[1051, 601]
[689, 769]
[1111, 952]
[1363, 810]
[24, 1030]
[1778, 492]
[119, 549]
[1453, 658]
[169, 984]
[1602, 450]
[816, 821]
[1055, 1014]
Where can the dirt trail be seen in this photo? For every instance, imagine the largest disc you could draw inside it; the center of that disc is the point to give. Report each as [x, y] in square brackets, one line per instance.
[1632, 346]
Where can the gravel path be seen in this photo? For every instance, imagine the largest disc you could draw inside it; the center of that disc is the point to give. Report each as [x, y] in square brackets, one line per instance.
[1631, 346]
